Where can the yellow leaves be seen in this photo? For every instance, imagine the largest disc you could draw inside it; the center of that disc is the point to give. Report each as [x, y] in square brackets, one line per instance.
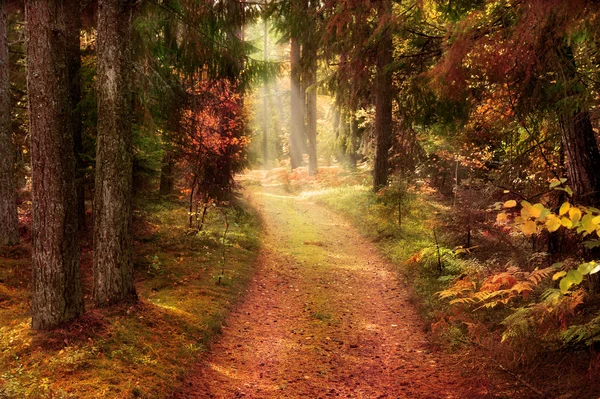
[537, 211]
[501, 217]
[553, 223]
[528, 228]
[588, 268]
[587, 223]
[573, 277]
[526, 210]
[558, 275]
[574, 215]
[532, 217]
[566, 222]
[555, 183]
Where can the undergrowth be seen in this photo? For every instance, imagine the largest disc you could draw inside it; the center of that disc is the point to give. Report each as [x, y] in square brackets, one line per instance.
[441, 246]
[136, 350]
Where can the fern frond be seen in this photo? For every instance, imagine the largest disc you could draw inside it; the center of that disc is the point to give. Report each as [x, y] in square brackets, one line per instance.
[465, 300]
[538, 275]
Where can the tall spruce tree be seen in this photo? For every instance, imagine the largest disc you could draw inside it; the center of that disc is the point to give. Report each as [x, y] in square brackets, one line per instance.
[57, 294]
[309, 55]
[9, 221]
[113, 241]
[73, 31]
[296, 105]
[383, 100]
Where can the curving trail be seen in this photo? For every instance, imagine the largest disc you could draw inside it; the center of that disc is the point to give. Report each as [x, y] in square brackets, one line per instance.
[325, 317]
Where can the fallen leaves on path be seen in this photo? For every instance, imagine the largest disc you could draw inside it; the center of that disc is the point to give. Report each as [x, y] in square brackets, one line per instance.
[325, 317]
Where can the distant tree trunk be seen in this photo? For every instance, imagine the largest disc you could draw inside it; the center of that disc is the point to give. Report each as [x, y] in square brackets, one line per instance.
[113, 243]
[338, 124]
[353, 143]
[9, 220]
[311, 111]
[345, 132]
[167, 179]
[383, 103]
[57, 295]
[73, 30]
[297, 106]
[336, 121]
[265, 125]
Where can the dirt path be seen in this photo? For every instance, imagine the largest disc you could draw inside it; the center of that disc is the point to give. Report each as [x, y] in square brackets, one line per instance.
[324, 317]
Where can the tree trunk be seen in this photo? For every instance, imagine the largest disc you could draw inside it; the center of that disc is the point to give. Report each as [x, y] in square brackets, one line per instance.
[578, 139]
[167, 179]
[57, 295]
[297, 106]
[113, 243]
[583, 157]
[311, 112]
[353, 143]
[9, 218]
[266, 118]
[383, 103]
[73, 30]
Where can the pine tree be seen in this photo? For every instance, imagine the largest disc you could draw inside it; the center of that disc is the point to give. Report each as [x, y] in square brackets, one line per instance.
[113, 241]
[309, 55]
[73, 30]
[383, 101]
[9, 221]
[57, 294]
[297, 105]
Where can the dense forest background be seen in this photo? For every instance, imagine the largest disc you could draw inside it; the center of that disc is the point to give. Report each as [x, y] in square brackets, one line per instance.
[461, 135]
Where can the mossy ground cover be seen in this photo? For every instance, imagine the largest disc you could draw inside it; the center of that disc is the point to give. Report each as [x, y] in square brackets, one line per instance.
[133, 350]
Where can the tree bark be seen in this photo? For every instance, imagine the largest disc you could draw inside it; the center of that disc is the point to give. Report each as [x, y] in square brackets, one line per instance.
[57, 294]
[579, 141]
[311, 107]
[73, 20]
[266, 118]
[113, 243]
[583, 157]
[383, 103]
[167, 179]
[353, 143]
[297, 106]
[9, 218]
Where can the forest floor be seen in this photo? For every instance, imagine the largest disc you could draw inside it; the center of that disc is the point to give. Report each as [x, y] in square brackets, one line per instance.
[131, 350]
[325, 316]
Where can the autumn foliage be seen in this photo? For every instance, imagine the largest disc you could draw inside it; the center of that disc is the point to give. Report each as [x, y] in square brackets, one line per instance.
[214, 144]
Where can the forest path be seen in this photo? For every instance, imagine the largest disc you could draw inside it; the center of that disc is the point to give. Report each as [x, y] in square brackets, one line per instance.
[325, 316]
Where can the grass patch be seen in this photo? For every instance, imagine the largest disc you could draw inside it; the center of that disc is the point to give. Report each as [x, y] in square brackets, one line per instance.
[411, 246]
[137, 350]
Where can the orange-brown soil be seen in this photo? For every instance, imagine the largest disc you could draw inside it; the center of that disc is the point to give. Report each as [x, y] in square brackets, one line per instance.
[324, 317]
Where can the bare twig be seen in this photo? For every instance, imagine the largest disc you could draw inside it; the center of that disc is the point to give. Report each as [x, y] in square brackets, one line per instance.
[226, 221]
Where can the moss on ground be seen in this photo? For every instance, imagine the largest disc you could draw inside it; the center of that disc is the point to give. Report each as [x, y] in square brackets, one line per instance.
[135, 350]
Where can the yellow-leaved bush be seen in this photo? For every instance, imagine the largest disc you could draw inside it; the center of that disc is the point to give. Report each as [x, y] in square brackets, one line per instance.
[516, 286]
[534, 218]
